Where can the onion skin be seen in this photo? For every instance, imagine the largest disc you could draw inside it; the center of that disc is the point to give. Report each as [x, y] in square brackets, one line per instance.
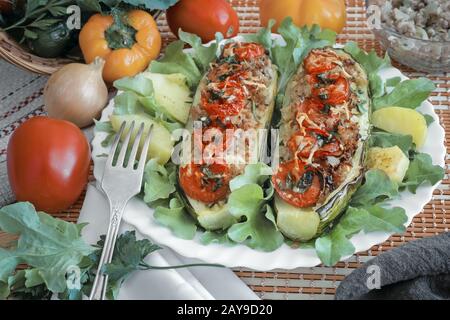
[76, 93]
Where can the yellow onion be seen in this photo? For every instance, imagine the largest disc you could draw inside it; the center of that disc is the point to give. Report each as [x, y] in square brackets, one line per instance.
[76, 93]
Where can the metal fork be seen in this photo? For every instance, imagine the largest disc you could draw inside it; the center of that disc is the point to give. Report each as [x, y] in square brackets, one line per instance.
[120, 183]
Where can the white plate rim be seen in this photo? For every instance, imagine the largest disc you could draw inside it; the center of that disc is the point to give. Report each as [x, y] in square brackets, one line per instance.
[139, 215]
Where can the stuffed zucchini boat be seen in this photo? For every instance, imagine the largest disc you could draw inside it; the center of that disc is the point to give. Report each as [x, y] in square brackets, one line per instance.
[238, 92]
[324, 130]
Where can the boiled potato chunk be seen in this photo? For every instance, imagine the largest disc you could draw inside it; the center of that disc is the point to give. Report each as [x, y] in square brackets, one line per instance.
[172, 94]
[296, 223]
[390, 160]
[403, 121]
[161, 143]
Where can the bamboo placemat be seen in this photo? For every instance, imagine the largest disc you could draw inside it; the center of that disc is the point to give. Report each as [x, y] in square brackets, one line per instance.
[321, 282]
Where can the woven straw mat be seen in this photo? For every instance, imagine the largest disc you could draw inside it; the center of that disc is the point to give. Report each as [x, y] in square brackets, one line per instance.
[21, 98]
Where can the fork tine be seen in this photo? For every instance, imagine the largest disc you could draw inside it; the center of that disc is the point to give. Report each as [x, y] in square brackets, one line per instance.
[143, 156]
[113, 150]
[134, 150]
[124, 148]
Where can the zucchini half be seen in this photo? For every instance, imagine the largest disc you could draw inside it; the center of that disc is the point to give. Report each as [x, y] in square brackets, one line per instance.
[303, 224]
[216, 216]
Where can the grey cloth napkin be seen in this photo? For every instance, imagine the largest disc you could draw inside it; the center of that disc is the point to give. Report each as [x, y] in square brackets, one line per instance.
[417, 270]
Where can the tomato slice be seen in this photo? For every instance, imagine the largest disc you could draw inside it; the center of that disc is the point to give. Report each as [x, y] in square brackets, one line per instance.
[228, 99]
[205, 183]
[248, 51]
[301, 145]
[316, 113]
[297, 184]
[213, 133]
[336, 93]
[319, 61]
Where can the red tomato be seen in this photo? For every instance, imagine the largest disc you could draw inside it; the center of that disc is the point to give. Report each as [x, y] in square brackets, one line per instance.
[301, 144]
[317, 114]
[204, 18]
[249, 51]
[297, 184]
[229, 103]
[205, 183]
[336, 93]
[48, 163]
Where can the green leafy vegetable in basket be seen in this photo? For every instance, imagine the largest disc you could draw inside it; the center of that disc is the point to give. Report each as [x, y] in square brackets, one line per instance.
[50, 28]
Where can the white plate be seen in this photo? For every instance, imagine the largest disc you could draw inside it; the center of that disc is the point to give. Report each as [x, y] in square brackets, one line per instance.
[140, 215]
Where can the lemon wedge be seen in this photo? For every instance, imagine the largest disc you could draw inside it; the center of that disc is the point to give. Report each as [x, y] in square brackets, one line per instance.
[403, 121]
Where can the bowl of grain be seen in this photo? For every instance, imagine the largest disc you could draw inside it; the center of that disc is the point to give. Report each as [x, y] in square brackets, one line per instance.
[416, 33]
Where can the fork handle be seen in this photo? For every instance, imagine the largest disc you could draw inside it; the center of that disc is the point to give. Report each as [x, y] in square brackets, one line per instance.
[99, 287]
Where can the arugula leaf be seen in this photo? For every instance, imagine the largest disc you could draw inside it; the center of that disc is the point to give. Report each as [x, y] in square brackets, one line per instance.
[377, 186]
[175, 60]
[407, 94]
[49, 245]
[421, 169]
[202, 55]
[254, 173]
[333, 246]
[259, 230]
[159, 181]
[385, 140]
[373, 218]
[176, 219]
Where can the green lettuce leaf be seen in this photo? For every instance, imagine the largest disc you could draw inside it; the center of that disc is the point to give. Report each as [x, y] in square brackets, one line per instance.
[176, 219]
[159, 181]
[202, 55]
[392, 82]
[49, 245]
[218, 237]
[407, 94]
[254, 173]
[421, 169]
[259, 230]
[175, 60]
[377, 186]
[127, 102]
[299, 41]
[263, 37]
[385, 140]
[372, 64]
[138, 84]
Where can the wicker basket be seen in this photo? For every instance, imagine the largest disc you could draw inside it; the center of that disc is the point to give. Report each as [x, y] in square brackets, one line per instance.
[12, 52]
[18, 55]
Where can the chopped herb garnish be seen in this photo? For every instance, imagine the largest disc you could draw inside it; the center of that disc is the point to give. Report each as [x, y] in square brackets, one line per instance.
[323, 96]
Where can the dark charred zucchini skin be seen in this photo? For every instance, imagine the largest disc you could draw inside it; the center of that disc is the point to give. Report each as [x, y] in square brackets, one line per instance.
[337, 203]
